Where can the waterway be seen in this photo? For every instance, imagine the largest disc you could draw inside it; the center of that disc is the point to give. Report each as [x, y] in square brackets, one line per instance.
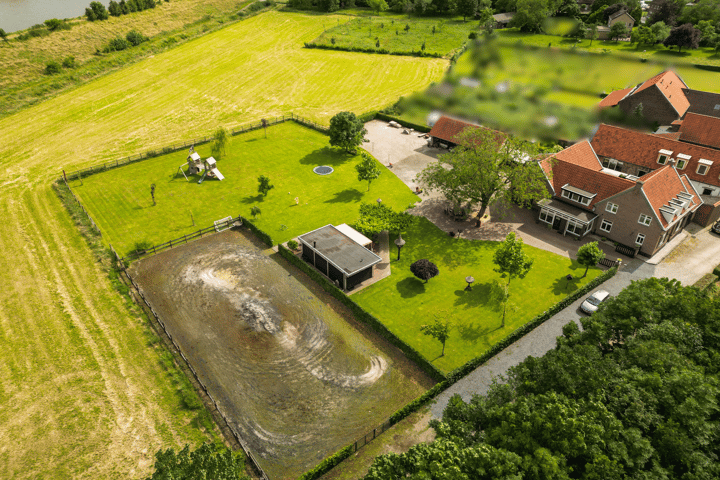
[21, 14]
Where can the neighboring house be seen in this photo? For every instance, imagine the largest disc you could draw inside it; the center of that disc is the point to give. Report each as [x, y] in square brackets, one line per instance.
[502, 20]
[703, 103]
[700, 130]
[622, 17]
[662, 98]
[585, 5]
[445, 131]
[641, 214]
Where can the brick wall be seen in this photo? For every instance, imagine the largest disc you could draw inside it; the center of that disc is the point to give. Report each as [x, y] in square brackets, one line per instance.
[656, 108]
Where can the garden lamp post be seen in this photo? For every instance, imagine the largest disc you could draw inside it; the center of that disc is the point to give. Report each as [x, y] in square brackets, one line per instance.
[469, 280]
[400, 243]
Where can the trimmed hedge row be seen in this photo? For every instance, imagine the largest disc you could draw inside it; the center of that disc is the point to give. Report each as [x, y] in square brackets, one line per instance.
[460, 372]
[712, 68]
[383, 51]
[363, 316]
[404, 123]
[267, 239]
[367, 116]
[706, 281]
[326, 465]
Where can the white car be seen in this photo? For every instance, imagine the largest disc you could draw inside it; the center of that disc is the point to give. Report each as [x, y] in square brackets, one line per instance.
[590, 305]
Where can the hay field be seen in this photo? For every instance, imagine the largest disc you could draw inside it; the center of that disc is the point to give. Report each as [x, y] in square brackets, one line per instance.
[82, 395]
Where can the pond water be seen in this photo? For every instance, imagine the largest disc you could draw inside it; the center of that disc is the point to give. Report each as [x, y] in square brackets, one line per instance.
[296, 380]
[20, 14]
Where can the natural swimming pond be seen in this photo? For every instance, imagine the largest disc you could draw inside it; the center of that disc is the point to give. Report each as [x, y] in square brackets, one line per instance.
[297, 379]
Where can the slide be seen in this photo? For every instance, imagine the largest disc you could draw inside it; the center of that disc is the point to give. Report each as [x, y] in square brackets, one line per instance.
[217, 174]
[203, 177]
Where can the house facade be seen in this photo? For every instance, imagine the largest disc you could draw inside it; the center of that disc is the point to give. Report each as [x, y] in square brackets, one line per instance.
[660, 99]
[641, 214]
[622, 17]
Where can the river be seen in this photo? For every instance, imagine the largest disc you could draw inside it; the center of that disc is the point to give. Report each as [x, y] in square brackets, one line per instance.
[20, 14]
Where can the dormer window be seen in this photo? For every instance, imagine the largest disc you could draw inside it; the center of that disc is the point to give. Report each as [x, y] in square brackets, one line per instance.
[703, 166]
[663, 157]
[613, 164]
[577, 195]
[682, 161]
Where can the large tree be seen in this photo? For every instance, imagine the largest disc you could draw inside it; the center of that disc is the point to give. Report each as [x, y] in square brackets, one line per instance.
[486, 167]
[708, 10]
[683, 36]
[644, 36]
[466, 8]
[634, 395]
[665, 11]
[376, 217]
[368, 169]
[530, 15]
[377, 6]
[208, 461]
[618, 31]
[511, 261]
[346, 131]
[661, 31]
[589, 255]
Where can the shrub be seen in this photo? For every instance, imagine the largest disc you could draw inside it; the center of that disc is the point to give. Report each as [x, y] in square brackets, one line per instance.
[51, 68]
[96, 11]
[292, 245]
[114, 9]
[68, 62]
[424, 269]
[472, 36]
[135, 38]
[117, 44]
[53, 24]
[141, 247]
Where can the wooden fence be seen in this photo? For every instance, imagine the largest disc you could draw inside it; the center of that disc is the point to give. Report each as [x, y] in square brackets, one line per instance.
[608, 263]
[225, 223]
[174, 147]
[159, 321]
[92, 222]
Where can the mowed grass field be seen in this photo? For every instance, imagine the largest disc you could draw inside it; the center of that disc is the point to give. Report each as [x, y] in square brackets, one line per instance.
[400, 34]
[119, 200]
[82, 394]
[404, 303]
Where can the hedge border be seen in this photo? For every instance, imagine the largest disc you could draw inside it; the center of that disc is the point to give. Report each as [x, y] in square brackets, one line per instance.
[379, 51]
[265, 237]
[404, 123]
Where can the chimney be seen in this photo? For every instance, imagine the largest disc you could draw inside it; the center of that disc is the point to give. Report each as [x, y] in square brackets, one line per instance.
[672, 162]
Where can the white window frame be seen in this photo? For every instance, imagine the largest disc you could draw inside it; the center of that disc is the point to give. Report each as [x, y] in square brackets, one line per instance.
[602, 225]
[681, 164]
[577, 228]
[645, 220]
[664, 157]
[704, 168]
[640, 239]
[575, 197]
[613, 164]
[611, 207]
[547, 214]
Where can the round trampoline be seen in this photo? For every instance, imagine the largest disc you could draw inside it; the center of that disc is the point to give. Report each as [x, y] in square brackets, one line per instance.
[323, 170]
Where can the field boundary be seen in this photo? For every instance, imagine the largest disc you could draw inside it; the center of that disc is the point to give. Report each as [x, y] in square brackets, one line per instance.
[176, 146]
[139, 293]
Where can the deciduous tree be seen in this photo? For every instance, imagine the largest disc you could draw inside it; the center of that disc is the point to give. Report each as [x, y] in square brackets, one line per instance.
[466, 8]
[661, 31]
[683, 36]
[665, 11]
[424, 269]
[439, 330]
[3, 35]
[512, 261]
[221, 141]
[618, 30]
[368, 169]
[377, 6]
[264, 185]
[530, 15]
[589, 255]
[346, 131]
[486, 167]
[376, 217]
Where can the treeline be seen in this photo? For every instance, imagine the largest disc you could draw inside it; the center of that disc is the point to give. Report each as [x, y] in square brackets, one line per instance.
[97, 11]
[633, 396]
[466, 8]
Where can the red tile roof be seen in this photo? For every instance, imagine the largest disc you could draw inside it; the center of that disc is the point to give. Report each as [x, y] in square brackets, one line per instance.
[662, 185]
[671, 135]
[568, 168]
[643, 149]
[614, 97]
[701, 129]
[703, 103]
[671, 86]
[448, 129]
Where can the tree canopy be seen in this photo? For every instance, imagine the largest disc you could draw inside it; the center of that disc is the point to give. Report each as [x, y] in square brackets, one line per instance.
[207, 462]
[485, 168]
[466, 8]
[221, 141]
[530, 15]
[264, 185]
[346, 131]
[438, 330]
[512, 261]
[632, 396]
[683, 36]
[618, 31]
[368, 169]
[376, 217]
[589, 255]
[424, 269]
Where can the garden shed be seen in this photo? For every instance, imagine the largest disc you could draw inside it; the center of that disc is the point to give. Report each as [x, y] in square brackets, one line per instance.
[345, 261]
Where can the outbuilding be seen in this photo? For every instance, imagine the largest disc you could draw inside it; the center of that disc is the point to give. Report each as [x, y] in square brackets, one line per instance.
[339, 256]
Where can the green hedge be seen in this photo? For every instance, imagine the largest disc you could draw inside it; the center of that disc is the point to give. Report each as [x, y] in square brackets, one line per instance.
[404, 123]
[712, 68]
[267, 239]
[460, 372]
[383, 51]
[326, 465]
[366, 117]
[363, 316]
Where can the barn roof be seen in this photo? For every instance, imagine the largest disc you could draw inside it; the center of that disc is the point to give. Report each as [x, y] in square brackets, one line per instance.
[340, 250]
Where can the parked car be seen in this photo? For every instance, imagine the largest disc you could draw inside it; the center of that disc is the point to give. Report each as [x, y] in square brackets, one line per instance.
[716, 227]
[591, 304]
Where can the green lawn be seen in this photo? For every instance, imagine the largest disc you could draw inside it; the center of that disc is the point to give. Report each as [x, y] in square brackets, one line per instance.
[119, 200]
[658, 53]
[404, 303]
[388, 33]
